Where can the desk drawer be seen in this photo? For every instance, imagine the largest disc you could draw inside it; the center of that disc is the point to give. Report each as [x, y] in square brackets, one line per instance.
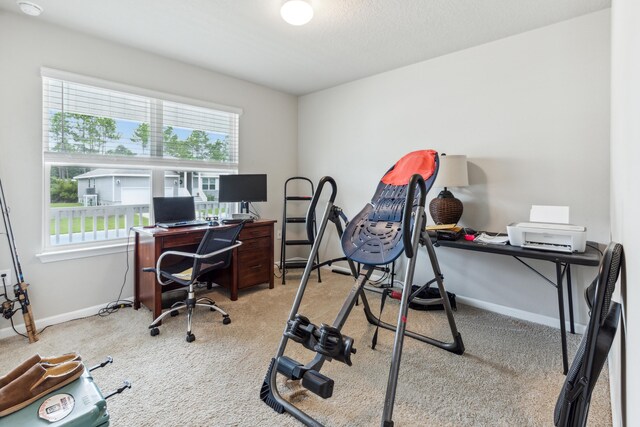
[262, 245]
[186, 239]
[253, 268]
[255, 232]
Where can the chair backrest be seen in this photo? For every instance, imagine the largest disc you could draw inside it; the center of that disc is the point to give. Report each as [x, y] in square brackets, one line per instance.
[374, 236]
[572, 406]
[214, 240]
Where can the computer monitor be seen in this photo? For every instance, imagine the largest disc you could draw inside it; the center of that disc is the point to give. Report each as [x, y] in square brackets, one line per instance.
[243, 188]
[173, 209]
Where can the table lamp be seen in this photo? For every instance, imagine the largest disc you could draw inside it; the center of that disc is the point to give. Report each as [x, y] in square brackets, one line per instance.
[446, 209]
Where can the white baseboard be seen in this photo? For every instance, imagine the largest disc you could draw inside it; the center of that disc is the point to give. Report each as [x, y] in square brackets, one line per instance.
[53, 320]
[341, 269]
[374, 276]
[501, 309]
[518, 314]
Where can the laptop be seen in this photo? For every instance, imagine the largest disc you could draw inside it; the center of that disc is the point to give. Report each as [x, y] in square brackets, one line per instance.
[171, 212]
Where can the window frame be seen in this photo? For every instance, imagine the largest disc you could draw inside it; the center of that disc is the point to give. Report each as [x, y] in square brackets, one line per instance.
[156, 165]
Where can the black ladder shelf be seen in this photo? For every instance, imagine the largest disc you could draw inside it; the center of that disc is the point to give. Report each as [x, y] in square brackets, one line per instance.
[287, 218]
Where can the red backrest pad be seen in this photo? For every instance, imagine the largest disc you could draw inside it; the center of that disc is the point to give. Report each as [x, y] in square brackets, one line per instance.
[421, 161]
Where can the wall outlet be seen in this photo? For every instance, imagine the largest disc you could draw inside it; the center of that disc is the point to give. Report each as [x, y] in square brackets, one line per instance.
[279, 234]
[7, 279]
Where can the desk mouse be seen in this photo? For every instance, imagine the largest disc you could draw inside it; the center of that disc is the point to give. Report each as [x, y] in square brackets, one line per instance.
[214, 223]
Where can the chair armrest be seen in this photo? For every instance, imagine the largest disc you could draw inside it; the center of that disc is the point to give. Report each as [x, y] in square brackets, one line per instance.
[228, 248]
[190, 255]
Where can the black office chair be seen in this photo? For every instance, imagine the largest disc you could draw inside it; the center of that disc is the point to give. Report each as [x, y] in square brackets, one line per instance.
[214, 252]
[572, 407]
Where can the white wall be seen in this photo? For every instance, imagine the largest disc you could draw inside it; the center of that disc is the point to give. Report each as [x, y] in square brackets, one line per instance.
[531, 112]
[268, 130]
[625, 206]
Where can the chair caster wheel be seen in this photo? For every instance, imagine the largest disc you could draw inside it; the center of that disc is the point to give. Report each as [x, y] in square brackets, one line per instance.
[174, 313]
[154, 331]
[226, 320]
[191, 337]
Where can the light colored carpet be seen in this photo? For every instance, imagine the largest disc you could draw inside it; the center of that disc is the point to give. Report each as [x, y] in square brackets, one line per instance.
[510, 374]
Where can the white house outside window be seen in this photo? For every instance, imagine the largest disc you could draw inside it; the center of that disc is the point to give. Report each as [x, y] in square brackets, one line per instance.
[109, 148]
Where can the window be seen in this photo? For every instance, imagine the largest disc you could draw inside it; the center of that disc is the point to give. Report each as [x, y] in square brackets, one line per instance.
[108, 148]
[207, 183]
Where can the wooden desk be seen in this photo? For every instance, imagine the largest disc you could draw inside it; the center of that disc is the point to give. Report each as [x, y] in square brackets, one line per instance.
[563, 261]
[251, 264]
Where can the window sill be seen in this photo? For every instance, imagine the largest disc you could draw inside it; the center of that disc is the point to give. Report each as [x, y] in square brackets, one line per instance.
[84, 252]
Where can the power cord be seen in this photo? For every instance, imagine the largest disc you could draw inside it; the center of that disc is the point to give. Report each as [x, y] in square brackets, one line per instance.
[111, 307]
[254, 211]
[279, 269]
[15, 330]
[596, 248]
[116, 305]
[67, 321]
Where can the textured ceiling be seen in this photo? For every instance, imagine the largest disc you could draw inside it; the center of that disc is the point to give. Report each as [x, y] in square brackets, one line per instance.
[345, 41]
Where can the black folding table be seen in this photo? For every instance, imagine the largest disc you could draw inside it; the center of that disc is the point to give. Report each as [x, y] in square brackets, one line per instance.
[563, 261]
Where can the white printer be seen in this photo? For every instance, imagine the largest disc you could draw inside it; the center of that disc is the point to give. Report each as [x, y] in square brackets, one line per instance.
[546, 235]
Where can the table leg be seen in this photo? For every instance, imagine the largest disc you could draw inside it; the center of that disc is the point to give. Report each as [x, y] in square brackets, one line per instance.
[136, 273]
[563, 331]
[570, 299]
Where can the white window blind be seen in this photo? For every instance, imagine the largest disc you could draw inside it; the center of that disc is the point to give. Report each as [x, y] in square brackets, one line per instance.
[97, 124]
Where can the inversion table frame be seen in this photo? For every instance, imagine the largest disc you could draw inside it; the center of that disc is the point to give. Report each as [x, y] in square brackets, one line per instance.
[327, 341]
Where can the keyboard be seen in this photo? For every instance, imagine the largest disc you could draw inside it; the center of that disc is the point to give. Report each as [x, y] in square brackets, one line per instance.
[190, 223]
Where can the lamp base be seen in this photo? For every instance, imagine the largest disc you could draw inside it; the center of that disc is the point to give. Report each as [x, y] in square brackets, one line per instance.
[445, 209]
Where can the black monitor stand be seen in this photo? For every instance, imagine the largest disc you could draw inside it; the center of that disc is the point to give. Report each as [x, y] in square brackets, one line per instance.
[244, 207]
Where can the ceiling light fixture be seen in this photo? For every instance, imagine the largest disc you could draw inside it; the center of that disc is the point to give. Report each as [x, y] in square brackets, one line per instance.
[29, 8]
[296, 12]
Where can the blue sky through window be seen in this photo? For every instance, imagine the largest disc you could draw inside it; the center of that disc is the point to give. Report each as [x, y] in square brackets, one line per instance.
[126, 129]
